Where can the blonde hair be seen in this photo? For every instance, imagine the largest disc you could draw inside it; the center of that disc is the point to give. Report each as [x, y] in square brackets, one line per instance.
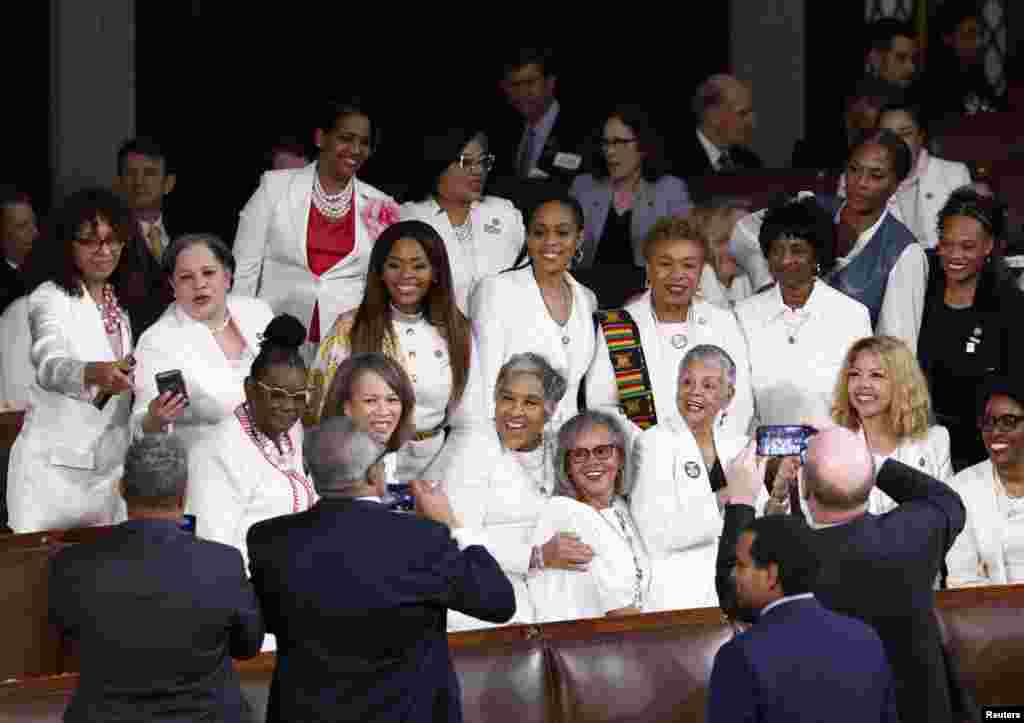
[911, 407]
[675, 228]
[712, 218]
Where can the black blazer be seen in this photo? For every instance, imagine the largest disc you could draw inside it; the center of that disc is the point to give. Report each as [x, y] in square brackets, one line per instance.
[145, 291]
[357, 596]
[158, 614]
[689, 160]
[881, 569]
[12, 284]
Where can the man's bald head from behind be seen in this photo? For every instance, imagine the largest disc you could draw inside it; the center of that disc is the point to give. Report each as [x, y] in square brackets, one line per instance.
[838, 475]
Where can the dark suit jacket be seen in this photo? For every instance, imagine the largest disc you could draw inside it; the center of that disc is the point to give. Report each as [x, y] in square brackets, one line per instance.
[357, 596]
[145, 292]
[802, 662]
[689, 160]
[158, 615]
[881, 569]
[12, 284]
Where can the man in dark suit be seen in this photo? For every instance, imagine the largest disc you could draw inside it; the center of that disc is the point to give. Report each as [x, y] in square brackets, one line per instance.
[357, 594]
[18, 232]
[799, 661]
[541, 145]
[880, 569]
[724, 109]
[157, 613]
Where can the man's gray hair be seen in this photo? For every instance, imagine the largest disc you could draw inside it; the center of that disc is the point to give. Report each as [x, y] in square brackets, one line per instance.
[711, 354]
[155, 469]
[339, 455]
[553, 381]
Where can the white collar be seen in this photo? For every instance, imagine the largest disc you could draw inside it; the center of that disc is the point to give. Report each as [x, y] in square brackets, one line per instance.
[438, 209]
[811, 307]
[786, 599]
[369, 498]
[713, 151]
[11, 263]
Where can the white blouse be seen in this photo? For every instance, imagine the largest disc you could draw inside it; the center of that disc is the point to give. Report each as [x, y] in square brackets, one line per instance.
[619, 575]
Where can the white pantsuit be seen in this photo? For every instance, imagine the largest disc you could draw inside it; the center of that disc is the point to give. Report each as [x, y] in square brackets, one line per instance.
[510, 317]
[498, 236]
[212, 381]
[67, 460]
[707, 324]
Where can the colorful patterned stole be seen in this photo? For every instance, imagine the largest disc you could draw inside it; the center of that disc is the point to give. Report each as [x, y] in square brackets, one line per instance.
[636, 397]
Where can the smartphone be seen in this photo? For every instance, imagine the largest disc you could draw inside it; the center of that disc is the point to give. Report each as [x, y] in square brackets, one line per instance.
[783, 440]
[188, 524]
[399, 497]
[171, 381]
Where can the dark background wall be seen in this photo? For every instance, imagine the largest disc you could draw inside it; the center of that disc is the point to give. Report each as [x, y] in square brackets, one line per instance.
[230, 90]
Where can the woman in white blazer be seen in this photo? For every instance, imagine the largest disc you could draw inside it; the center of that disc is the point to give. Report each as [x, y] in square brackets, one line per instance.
[409, 314]
[17, 375]
[499, 479]
[249, 468]
[923, 193]
[482, 234]
[304, 238]
[679, 469]
[882, 393]
[538, 306]
[210, 337]
[66, 462]
[990, 550]
[671, 319]
[798, 330]
[622, 200]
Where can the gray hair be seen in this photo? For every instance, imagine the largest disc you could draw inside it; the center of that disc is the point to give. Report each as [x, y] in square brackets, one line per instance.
[155, 470]
[552, 380]
[567, 437]
[709, 353]
[212, 241]
[339, 455]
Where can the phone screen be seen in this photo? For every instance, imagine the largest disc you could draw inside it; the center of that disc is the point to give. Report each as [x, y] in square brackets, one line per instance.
[171, 381]
[783, 440]
[399, 497]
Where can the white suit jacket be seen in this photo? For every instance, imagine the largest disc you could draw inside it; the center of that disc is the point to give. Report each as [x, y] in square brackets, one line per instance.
[677, 512]
[271, 250]
[17, 375]
[498, 236]
[712, 326]
[176, 341]
[977, 556]
[67, 460]
[930, 455]
[509, 317]
[926, 197]
[794, 383]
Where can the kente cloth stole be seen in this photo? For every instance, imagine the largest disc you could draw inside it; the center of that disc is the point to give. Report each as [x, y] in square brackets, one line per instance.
[636, 397]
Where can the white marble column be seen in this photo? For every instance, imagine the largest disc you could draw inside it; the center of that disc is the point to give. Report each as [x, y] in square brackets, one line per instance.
[92, 89]
[768, 50]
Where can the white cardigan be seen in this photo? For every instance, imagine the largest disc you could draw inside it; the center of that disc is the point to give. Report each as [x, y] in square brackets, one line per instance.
[67, 460]
[710, 325]
[498, 236]
[677, 513]
[271, 247]
[978, 553]
[176, 341]
[510, 317]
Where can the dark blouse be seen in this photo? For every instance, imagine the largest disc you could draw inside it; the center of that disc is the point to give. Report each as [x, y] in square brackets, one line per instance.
[616, 246]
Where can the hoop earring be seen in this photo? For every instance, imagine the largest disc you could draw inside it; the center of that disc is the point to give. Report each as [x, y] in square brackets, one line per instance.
[577, 257]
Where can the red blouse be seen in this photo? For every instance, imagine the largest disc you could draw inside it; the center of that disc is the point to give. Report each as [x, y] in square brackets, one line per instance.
[326, 244]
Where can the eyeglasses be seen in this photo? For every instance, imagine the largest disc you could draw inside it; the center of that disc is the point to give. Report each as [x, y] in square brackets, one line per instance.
[279, 397]
[468, 163]
[601, 452]
[93, 245]
[1004, 423]
[607, 143]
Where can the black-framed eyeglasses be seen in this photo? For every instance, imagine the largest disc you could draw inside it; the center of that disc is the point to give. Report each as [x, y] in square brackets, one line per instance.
[607, 143]
[279, 397]
[601, 452]
[93, 245]
[468, 163]
[1004, 423]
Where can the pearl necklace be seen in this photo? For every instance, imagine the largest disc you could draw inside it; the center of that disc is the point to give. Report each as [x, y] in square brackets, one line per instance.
[678, 341]
[464, 231]
[333, 207]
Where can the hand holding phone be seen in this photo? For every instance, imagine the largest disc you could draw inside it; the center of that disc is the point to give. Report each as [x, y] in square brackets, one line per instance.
[171, 381]
[783, 440]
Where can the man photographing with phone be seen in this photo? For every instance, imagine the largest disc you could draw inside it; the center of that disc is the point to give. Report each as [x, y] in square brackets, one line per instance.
[880, 569]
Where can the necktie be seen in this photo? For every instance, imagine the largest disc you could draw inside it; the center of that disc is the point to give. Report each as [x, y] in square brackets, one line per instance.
[726, 163]
[527, 154]
[154, 240]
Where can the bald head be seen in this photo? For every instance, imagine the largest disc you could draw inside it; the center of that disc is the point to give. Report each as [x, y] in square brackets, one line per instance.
[724, 107]
[838, 475]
